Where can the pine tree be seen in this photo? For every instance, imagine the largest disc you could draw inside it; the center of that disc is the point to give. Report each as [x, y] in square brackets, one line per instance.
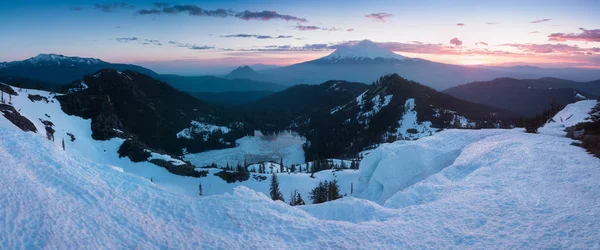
[333, 191]
[343, 165]
[351, 188]
[274, 189]
[299, 200]
[200, 192]
[63, 143]
[293, 168]
[296, 199]
[281, 165]
[2, 97]
[319, 194]
[353, 164]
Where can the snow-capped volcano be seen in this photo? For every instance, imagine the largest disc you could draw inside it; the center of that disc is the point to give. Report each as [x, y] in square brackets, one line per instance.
[363, 50]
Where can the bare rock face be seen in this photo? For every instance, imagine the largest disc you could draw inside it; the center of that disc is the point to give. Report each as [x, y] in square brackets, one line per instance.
[7, 89]
[16, 118]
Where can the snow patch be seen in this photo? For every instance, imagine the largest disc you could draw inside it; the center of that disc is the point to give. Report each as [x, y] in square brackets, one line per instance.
[203, 129]
[409, 128]
[571, 115]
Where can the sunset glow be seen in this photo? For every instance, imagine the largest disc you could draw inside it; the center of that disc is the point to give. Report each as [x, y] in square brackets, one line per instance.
[542, 33]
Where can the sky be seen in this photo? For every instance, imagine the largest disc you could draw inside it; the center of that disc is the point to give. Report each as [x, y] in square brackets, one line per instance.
[189, 37]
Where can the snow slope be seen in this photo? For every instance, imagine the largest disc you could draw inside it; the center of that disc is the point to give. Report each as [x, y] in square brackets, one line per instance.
[571, 115]
[507, 190]
[285, 145]
[409, 121]
[395, 166]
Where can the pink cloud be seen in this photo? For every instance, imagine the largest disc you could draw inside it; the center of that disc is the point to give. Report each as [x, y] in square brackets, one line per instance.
[456, 42]
[540, 21]
[460, 24]
[552, 48]
[379, 17]
[585, 35]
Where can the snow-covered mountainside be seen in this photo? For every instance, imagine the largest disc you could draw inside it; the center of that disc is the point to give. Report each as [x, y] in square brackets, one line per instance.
[468, 189]
[364, 50]
[52, 70]
[393, 108]
[77, 134]
[571, 115]
[61, 59]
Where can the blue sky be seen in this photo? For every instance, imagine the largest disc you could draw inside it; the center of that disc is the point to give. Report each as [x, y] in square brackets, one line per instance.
[174, 38]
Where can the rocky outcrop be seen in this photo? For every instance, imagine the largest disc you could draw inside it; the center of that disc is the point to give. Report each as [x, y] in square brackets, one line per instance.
[17, 119]
[7, 89]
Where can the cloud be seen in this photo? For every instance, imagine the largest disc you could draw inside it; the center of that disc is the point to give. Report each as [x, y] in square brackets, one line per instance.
[456, 42]
[552, 48]
[194, 10]
[266, 15]
[155, 42]
[379, 17]
[110, 7]
[185, 45]
[585, 36]
[534, 32]
[256, 36]
[482, 43]
[491, 23]
[350, 30]
[540, 21]
[195, 47]
[76, 8]
[149, 12]
[126, 39]
[313, 27]
[306, 47]
[460, 24]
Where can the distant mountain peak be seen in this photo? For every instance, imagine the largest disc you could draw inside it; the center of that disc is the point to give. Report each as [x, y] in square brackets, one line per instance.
[363, 50]
[61, 58]
[242, 72]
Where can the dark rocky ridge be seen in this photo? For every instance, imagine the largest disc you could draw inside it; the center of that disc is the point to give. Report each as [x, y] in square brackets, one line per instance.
[17, 119]
[128, 103]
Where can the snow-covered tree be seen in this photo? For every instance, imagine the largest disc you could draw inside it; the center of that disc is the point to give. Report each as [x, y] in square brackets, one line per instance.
[200, 192]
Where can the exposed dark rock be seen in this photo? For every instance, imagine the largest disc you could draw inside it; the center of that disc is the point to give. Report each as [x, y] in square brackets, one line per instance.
[135, 150]
[231, 177]
[37, 98]
[47, 123]
[72, 136]
[183, 170]
[7, 89]
[49, 129]
[16, 118]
